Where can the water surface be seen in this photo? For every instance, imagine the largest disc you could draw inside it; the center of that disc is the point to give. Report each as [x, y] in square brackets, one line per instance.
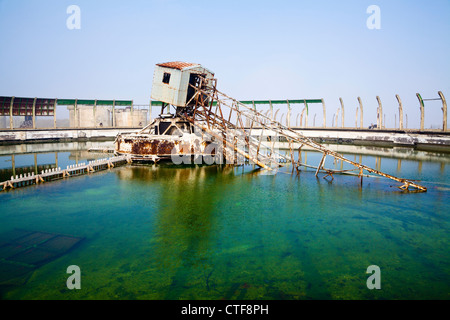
[218, 232]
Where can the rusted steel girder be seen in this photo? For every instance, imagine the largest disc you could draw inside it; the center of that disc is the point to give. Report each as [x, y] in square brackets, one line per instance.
[211, 94]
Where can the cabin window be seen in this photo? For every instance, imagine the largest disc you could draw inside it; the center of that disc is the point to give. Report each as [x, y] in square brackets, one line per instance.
[166, 77]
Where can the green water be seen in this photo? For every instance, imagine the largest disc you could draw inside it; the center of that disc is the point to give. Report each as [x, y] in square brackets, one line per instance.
[233, 233]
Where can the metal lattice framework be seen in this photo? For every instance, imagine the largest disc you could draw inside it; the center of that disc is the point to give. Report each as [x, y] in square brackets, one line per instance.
[223, 118]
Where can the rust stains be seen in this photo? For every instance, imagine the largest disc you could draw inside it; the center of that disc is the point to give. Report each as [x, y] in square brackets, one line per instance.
[179, 65]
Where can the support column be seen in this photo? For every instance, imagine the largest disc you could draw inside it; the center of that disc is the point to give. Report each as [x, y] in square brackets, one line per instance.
[271, 109]
[35, 164]
[150, 112]
[76, 125]
[444, 110]
[321, 163]
[361, 113]
[301, 118]
[343, 113]
[54, 113]
[13, 163]
[288, 116]
[132, 114]
[276, 112]
[34, 113]
[11, 122]
[114, 114]
[380, 114]
[422, 111]
[324, 114]
[94, 113]
[254, 108]
[307, 113]
[337, 117]
[400, 112]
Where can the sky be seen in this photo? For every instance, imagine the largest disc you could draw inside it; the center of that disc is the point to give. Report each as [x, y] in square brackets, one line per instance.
[258, 50]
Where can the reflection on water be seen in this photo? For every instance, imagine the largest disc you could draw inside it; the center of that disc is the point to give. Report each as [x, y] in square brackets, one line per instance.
[22, 159]
[222, 232]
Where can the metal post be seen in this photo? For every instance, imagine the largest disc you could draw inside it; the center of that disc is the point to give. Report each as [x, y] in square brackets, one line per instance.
[11, 122]
[356, 118]
[361, 114]
[444, 110]
[422, 111]
[34, 113]
[343, 113]
[400, 112]
[380, 113]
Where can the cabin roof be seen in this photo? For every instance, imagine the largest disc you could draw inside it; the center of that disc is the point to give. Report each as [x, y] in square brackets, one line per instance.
[179, 65]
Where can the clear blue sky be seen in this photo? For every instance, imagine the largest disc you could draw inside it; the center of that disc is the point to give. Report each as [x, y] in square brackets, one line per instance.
[258, 50]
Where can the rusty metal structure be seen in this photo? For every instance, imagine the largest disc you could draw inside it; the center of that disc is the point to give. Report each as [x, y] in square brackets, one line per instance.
[209, 122]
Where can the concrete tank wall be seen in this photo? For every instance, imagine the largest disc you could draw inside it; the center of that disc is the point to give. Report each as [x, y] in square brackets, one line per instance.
[85, 116]
[126, 118]
[4, 122]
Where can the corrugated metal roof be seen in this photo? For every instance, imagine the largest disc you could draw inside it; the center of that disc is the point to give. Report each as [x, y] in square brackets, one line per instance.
[177, 65]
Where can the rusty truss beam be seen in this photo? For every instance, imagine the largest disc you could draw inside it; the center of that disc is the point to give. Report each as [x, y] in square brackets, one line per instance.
[223, 118]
